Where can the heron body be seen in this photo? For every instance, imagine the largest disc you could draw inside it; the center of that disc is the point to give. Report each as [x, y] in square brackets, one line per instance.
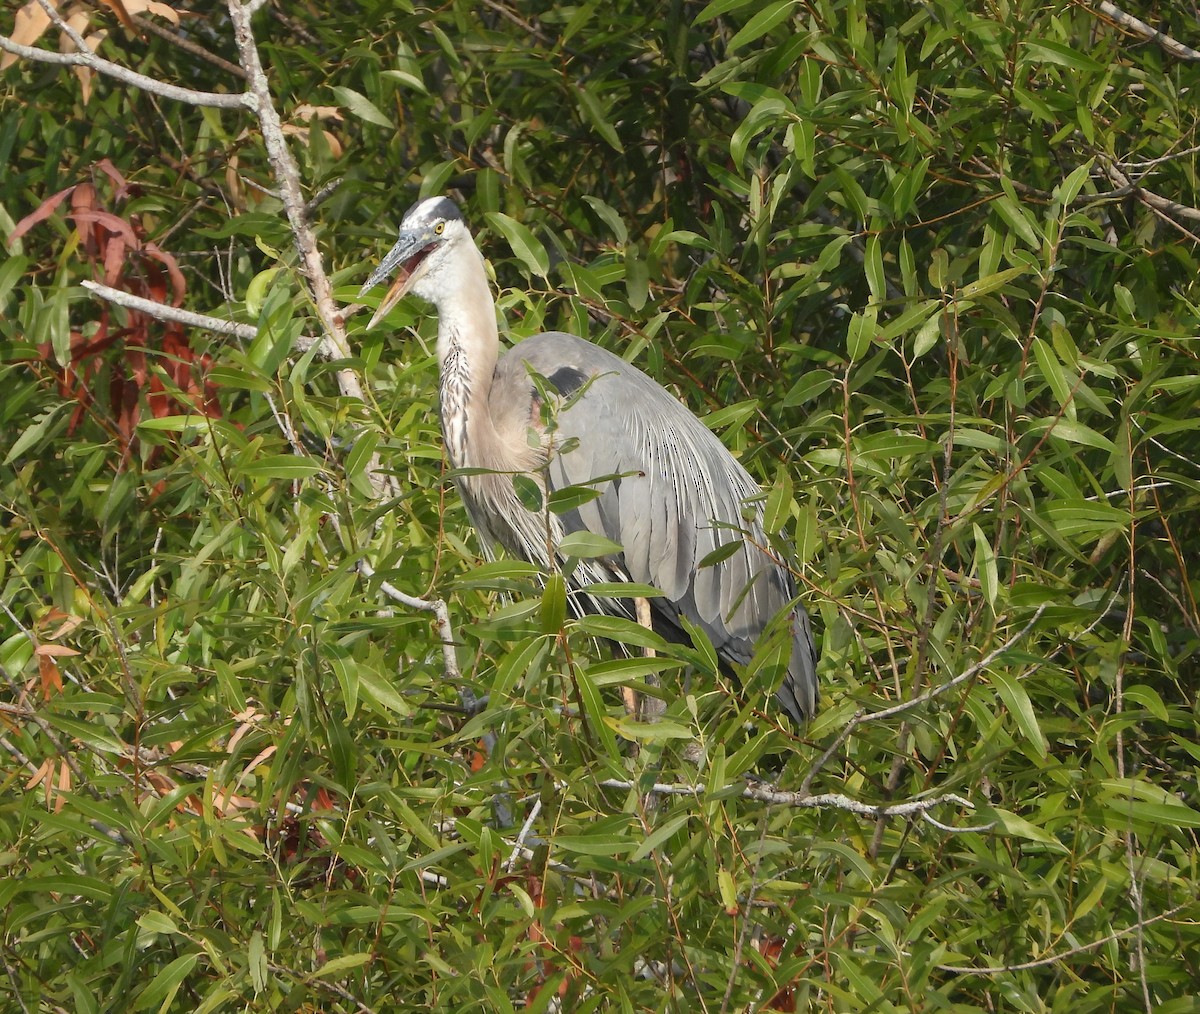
[669, 492]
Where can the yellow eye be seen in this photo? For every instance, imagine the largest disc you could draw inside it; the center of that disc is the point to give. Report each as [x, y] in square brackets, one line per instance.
[440, 228]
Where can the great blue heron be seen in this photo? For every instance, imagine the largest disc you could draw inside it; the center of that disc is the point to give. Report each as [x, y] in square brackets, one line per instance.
[670, 493]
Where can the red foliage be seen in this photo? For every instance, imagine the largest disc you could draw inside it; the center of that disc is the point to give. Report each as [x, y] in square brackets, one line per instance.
[120, 257]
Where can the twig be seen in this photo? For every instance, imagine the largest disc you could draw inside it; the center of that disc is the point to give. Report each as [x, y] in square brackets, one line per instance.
[161, 311]
[962, 677]
[519, 846]
[322, 195]
[1151, 200]
[192, 97]
[441, 616]
[187, 45]
[334, 344]
[803, 801]
[1056, 958]
[1151, 34]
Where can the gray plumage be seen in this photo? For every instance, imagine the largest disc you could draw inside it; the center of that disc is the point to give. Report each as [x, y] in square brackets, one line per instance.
[676, 493]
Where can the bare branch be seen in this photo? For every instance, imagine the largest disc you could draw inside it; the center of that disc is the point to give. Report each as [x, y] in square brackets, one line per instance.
[334, 345]
[441, 617]
[803, 801]
[962, 677]
[1151, 34]
[1058, 956]
[1146, 197]
[161, 311]
[192, 97]
[187, 45]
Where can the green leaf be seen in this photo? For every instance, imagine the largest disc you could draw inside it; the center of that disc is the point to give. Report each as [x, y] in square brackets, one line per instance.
[1019, 827]
[593, 114]
[779, 503]
[588, 545]
[525, 245]
[1055, 375]
[570, 498]
[375, 687]
[157, 922]
[983, 286]
[362, 107]
[609, 216]
[660, 835]
[281, 466]
[1073, 432]
[985, 566]
[873, 265]
[860, 333]
[1021, 708]
[596, 714]
[620, 629]
[554, 604]
[166, 983]
[1064, 56]
[342, 964]
[769, 17]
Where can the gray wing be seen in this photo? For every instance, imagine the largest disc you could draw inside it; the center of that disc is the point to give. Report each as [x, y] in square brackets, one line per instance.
[680, 496]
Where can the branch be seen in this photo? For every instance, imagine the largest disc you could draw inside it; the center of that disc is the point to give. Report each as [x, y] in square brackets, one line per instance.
[334, 345]
[1054, 959]
[192, 97]
[803, 801]
[441, 618]
[161, 311]
[962, 677]
[1151, 34]
[1146, 197]
[187, 45]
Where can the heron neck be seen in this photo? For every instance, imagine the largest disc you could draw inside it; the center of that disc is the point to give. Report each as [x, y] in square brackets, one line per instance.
[468, 344]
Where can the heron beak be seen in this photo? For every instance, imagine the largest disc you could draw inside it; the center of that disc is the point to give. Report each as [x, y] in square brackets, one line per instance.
[404, 259]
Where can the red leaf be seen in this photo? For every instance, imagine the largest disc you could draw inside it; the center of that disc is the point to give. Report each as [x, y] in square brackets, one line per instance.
[114, 174]
[44, 211]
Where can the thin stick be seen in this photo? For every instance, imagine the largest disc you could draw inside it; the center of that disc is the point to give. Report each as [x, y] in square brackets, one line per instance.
[161, 311]
[236, 100]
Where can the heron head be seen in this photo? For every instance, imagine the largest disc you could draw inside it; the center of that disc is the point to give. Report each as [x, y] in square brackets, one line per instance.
[429, 231]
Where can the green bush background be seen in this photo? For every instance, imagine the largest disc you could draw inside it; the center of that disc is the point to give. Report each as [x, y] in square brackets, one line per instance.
[928, 269]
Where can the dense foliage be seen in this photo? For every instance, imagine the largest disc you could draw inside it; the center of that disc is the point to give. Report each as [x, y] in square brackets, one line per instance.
[929, 269]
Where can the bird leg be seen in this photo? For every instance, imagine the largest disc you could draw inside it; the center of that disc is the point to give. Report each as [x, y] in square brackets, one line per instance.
[649, 708]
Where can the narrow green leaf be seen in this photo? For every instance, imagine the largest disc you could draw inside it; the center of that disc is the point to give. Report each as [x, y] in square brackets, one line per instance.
[610, 217]
[769, 17]
[780, 502]
[1017, 701]
[860, 333]
[620, 629]
[1055, 375]
[1074, 432]
[596, 714]
[873, 265]
[718, 7]
[1019, 827]
[593, 114]
[985, 566]
[281, 466]
[164, 985]
[659, 835]
[342, 964]
[1043, 50]
[982, 286]
[554, 604]
[588, 545]
[361, 107]
[377, 688]
[525, 244]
